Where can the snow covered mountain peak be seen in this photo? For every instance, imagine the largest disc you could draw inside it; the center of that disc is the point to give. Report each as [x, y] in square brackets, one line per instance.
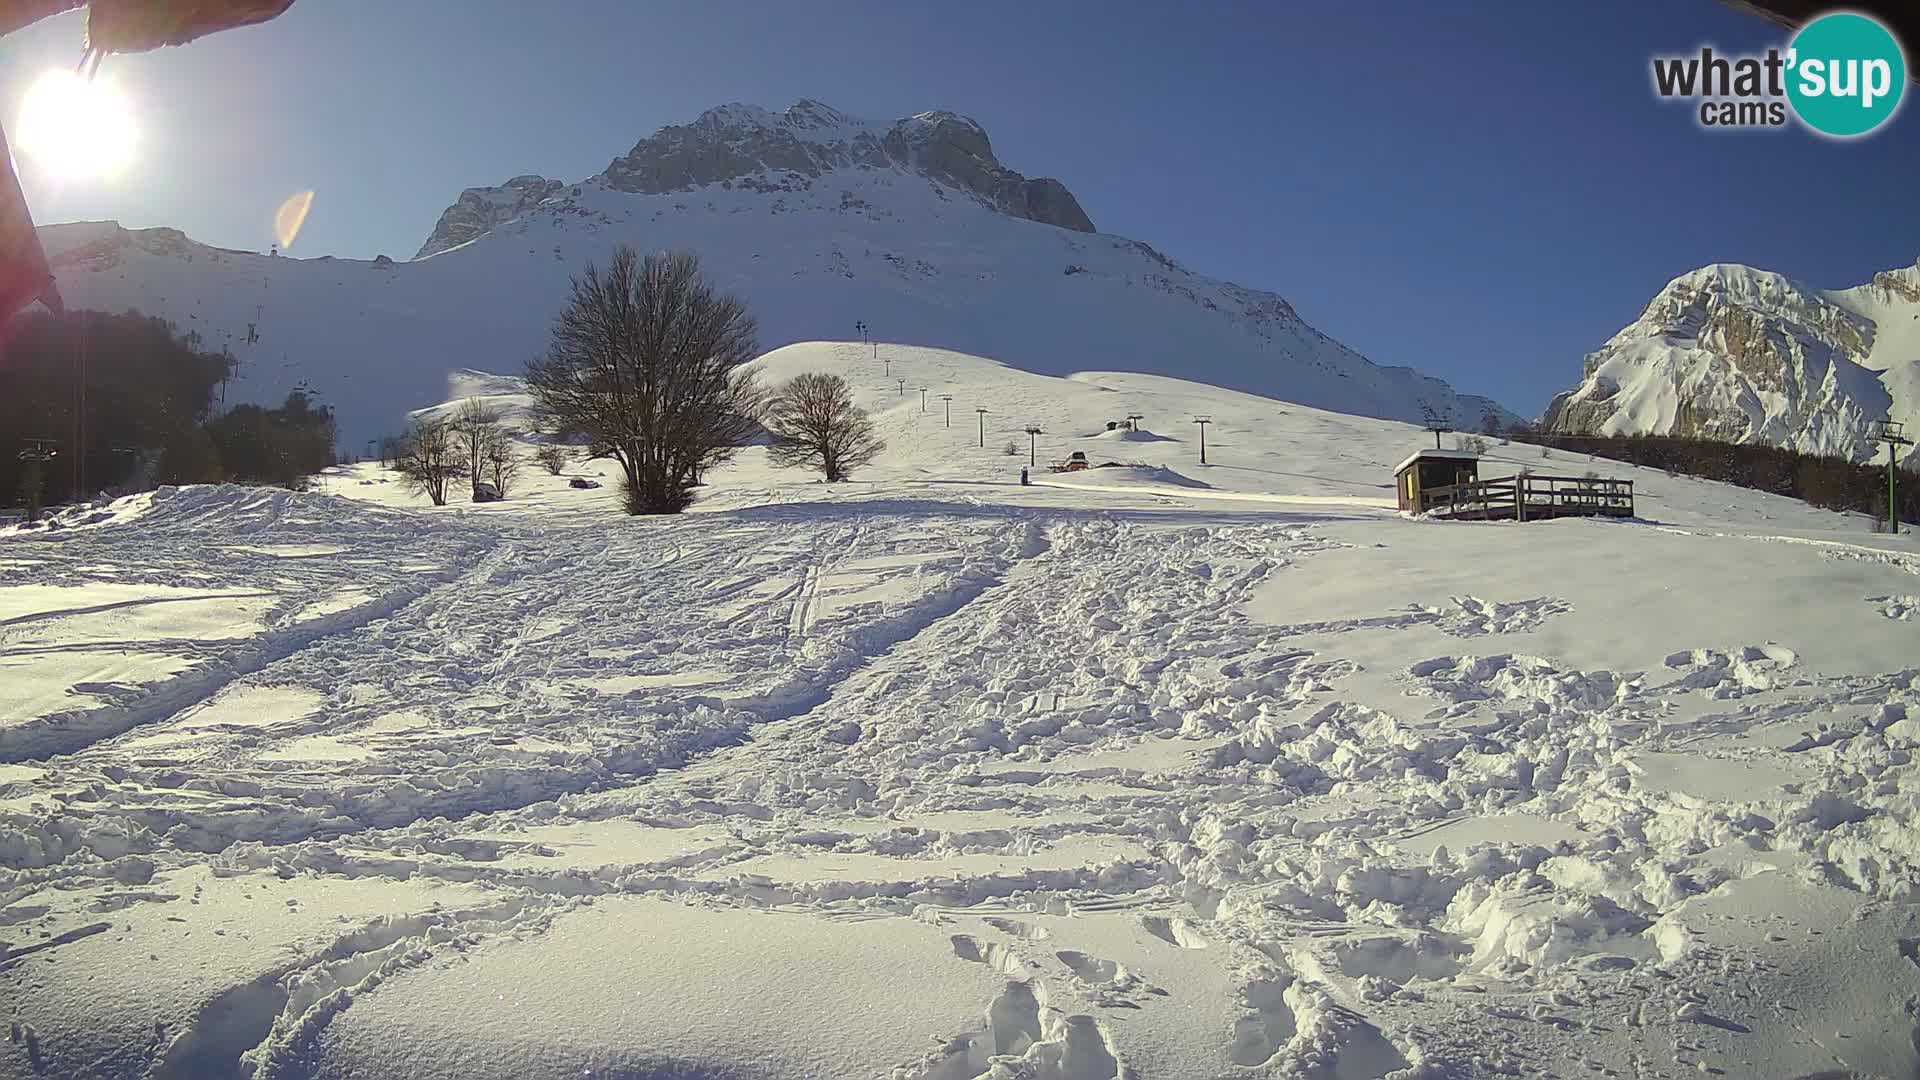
[1740, 354]
[827, 225]
[746, 146]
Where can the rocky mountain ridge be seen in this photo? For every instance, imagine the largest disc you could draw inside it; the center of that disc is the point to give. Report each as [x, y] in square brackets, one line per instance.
[788, 151]
[1738, 354]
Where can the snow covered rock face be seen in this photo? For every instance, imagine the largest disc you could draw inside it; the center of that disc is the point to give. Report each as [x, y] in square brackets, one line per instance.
[1742, 355]
[478, 210]
[741, 144]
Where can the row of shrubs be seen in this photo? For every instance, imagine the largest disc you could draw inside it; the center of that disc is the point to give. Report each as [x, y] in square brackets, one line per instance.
[105, 402]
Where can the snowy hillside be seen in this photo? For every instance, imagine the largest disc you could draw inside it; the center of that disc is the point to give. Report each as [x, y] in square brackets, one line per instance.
[818, 220]
[1161, 770]
[1733, 353]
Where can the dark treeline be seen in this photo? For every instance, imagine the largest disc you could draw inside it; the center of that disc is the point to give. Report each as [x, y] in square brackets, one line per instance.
[145, 414]
[1833, 483]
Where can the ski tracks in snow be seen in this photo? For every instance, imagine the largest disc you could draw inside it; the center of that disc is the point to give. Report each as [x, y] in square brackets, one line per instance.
[1057, 740]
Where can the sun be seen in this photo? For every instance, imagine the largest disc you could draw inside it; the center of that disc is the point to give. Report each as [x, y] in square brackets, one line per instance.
[75, 128]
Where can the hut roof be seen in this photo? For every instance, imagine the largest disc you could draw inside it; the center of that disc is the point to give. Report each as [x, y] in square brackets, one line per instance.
[1433, 452]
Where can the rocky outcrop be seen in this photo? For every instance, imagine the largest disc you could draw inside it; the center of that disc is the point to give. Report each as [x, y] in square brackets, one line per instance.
[743, 144]
[479, 210]
[954, 150]
[1742, 355]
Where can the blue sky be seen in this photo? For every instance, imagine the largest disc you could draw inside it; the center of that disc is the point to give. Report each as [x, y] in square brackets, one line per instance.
[1485, 191]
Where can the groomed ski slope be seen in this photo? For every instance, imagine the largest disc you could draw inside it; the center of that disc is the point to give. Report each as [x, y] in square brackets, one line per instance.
[930, 775]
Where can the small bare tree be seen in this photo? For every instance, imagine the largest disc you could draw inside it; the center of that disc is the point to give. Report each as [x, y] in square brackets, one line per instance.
[428, 456]
[502, 463]
[815, 424]
[476, 425]
[645, 361]
[552, 457]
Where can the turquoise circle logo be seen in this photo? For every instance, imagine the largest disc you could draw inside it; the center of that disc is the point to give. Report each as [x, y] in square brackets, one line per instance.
[1846, 74]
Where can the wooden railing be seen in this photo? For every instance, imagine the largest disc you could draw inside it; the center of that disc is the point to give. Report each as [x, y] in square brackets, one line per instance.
[1531, 496]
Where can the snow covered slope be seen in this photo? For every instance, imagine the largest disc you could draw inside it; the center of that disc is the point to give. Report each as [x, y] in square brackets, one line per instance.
[818, 220]
[1182, 771]
[1734, 353]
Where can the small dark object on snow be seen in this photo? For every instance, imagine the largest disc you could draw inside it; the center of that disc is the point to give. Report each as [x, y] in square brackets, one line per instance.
[484, 492]
[1023, 477]
[582, 482]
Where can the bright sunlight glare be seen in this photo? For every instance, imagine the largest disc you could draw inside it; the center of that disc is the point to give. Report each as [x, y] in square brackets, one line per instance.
[77, 129]
[291, 215]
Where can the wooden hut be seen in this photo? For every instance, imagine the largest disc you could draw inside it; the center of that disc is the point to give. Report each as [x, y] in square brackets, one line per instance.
[1427, 470]
[1447, 484]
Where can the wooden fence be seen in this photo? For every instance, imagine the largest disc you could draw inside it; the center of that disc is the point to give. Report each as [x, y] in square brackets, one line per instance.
[1530, 497]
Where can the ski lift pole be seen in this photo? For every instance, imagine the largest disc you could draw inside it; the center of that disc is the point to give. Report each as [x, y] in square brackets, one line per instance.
[1889, 431]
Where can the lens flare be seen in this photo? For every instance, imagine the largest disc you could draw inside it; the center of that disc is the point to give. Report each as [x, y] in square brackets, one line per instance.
[75, 128]
[291, 215]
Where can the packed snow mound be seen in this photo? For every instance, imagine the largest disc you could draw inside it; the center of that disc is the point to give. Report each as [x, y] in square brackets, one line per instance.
[504, 395]
[1109, 472]
[1738, 354]
[813, 245]
[1132, 435]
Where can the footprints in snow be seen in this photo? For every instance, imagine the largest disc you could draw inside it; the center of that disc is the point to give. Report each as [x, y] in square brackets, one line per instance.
[996, 956]
[1901, 608]
[1021, 1024]
[1267, 1026]
[1173, 931]
[1460, 616]
[1470, 616]
[1094, 971]
[1016, 928]
[1748, 669]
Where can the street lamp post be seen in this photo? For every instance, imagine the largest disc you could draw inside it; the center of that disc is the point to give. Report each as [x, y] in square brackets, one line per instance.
[948, 399]
[983, 427]
[1203, 421]
[923, 399]
[1033, 441]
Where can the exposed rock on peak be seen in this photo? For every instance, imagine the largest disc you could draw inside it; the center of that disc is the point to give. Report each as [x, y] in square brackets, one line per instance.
[749, 145]
[479, 210]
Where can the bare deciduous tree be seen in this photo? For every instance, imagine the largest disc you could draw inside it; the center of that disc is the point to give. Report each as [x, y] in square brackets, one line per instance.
[502, 462]
[428, 456]
[483, 441]
[645, 361]
[815, 424]
[552, 457]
